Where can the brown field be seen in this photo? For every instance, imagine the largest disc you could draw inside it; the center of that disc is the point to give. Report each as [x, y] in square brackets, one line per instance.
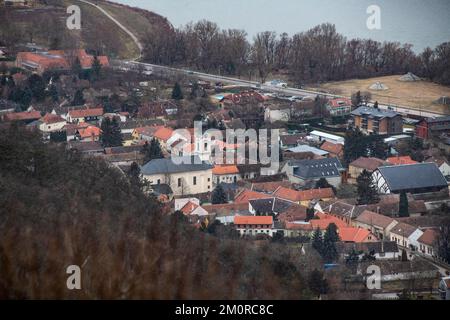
[419, 95]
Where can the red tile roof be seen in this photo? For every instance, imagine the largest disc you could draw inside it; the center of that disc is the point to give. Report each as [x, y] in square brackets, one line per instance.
[429, 237]
[50, 118]
[89, 132]
[306, 195]
[333, 148]
[350, 234]
[83, 113]
[247, 195]
[339, 102]
[252, 220]
[22, 116]
[163, 133]
[370, 164]
[189, 207]
[225, 169]
[401, 160]
[325, 220]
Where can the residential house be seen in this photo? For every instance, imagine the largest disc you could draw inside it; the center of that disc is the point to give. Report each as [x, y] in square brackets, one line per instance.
[339, 107]
[225, 174]
[291, 140]
[23, 117]
[253, 225]
[359, 165]
[84, 115]
[246, 195]
[90, 133]
[190, 206]
[188, 176]
[356, 235]
[303, 171]
[376, 121]
[269, 187]
[414, 178]
[249, 171]
[398, 161]
[40, 62]
[335, 150]
[304, 197]
[51, 123]
[406, 235]
[295, 213]
[88, 148]
[269, 206]
[377, 224]
[428, 242]
[431, 127]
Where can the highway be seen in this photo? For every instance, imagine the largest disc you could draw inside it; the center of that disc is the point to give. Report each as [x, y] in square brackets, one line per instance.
[135, 65]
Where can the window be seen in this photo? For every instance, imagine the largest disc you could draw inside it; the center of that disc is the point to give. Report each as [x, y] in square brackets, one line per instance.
[194, 181]
[159, 181]
[179, 182]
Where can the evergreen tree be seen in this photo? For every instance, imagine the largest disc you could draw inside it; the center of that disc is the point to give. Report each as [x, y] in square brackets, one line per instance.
[219, 196]
[111, 135]
[37, 86]
[96, 67]
[403, 207]
[356, 99]
[177, 93]
[354, 146]
[367, 191]
[152, 151]
[352, 259]
[323, 183]
[58, 136]
[317, 283]
[317, 241]
[134, 175]
[78, 99]
[443, 239]
[329, 250]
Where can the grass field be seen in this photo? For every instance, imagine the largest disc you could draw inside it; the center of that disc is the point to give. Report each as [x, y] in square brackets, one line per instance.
[419, 95]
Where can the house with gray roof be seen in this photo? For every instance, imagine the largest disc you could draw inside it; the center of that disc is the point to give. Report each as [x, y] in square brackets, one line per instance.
[184, 175]
[269, 206]
[376, 121]
[304, 171]
[412, 178]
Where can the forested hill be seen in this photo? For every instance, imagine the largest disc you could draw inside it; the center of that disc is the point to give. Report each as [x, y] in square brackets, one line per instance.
[57, 209]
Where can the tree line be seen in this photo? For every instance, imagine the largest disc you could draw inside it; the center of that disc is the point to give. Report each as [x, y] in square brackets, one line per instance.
[319, 54]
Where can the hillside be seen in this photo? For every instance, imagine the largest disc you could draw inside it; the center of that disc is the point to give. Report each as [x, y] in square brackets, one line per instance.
[57, 209]
[45, 25]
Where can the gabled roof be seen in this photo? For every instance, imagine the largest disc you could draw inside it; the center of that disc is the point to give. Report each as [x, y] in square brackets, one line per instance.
[429, 237]
[189, 207]
[305, 195]
[50, 118]
[317, 168]
[167, 166]
[350, 234]
[373, 112]
[370, 164]
[413, 176]
[252, 220]
[270, 186]
[401, 160]
[295, 212]
[334, 148]
[403, 229]
[91, 131]
[22, 116]
[246, 195]
[325, 220]
[163, 133]
[305, 148]
[340, 102]
[83, 113]
[225, 169]
[270, 205]
[374, 219]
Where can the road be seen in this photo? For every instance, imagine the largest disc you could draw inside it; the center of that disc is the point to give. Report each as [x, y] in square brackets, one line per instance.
[404, 110]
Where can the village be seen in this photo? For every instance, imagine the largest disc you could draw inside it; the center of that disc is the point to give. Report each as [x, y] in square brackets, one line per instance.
[359, 184]
[356, 192]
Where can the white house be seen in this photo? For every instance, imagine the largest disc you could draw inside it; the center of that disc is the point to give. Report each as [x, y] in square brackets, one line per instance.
[190, 206]
[277, 113]
[405, 235]
[427, 243]
[254, 225]
[51, 123]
